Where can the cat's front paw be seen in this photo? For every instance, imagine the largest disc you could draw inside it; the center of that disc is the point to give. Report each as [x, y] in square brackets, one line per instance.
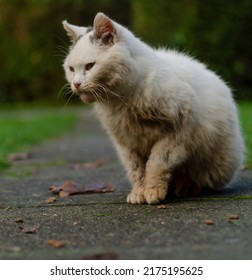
[155, 195]
[136, 196]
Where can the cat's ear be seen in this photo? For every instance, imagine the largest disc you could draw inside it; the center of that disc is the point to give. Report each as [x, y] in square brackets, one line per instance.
[74, 31]
[104, 29]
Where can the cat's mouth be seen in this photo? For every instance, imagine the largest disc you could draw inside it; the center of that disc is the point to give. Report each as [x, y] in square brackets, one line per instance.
[87, 97]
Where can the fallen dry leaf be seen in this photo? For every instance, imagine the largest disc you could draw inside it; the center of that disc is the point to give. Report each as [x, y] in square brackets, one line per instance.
[102, 256]
[55, 189]
[22, 228]
[56, 243]
[19, 156]
[162, 206]
[209, 222]
[66, 189]
[233, 217]
[30, 230]
[19, 221]
[93, 164]
[99, 188]
[71, 188]
[50, 200]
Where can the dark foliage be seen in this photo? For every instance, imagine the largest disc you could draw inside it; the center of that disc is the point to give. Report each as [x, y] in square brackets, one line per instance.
[33, 43]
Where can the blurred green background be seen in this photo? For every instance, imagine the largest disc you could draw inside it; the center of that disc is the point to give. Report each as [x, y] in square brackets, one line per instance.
[216, 32]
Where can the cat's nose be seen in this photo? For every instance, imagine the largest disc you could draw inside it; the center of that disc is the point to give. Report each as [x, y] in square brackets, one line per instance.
[77, 85]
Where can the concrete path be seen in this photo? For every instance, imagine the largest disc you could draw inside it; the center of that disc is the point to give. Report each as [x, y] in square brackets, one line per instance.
[104, 226]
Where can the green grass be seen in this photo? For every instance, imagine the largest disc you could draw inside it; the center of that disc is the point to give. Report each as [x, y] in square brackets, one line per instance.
[20, 129]
[245, 110]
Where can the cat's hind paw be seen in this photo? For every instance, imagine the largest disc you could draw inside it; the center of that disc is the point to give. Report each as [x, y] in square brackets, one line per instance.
[155, 195]
[136, 197]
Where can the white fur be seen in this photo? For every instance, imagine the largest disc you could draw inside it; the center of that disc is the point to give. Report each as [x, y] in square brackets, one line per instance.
[173, 122]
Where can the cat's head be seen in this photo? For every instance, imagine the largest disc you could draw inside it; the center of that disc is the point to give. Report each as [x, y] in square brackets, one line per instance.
[98, 60]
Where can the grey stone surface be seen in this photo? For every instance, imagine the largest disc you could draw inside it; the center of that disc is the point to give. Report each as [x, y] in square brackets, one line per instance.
[105, 224]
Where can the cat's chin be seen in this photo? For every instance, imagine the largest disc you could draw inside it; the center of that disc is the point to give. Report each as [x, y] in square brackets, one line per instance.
[87, 97]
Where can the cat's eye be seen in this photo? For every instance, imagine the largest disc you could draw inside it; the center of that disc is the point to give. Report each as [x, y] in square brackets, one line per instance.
[89, 66]
[71, 68]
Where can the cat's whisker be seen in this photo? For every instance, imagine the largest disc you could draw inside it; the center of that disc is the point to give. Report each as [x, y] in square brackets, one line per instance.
[72, 94]
[63, 49]
[62, 41]
[99, 97]
[118, 96]
[89, 88]
[102, 90]
[59, 54]
[107, 96]
[66, 87]
[108, 91]
[68, 91]
[96, 91]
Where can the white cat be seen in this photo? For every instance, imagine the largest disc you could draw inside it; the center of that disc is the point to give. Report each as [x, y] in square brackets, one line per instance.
[173, 121]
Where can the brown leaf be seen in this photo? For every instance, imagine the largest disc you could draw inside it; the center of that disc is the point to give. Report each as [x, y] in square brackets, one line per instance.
[55, 189]
[93, 164]
[98, 188]
[56, 243]
[209, 222]
[67, 187]
[30, 230]
[50, 200]
[71, 188]
[102, 256]
[233, 217]
[162, 206]
[65, 194]
[20, 226]
[19, 221]
[19, 156]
